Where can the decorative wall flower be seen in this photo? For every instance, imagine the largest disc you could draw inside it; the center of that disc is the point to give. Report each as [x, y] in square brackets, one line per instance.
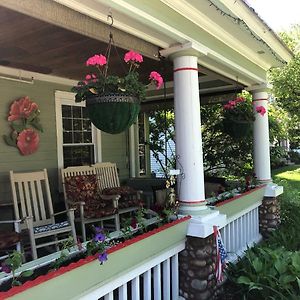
[21, 109]
[25, 123]
[28, 141]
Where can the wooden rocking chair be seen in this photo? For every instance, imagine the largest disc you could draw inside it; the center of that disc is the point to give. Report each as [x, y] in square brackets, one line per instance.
[81, 191]
[32, 202]
[109, 184]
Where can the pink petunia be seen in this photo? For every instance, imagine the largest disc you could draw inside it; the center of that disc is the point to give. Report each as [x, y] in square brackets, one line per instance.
[28, 141]
[156, 77]
[133, 56]
[96, 60]
[261, 110]
[21, 108]
[232, 103]
[88, 77]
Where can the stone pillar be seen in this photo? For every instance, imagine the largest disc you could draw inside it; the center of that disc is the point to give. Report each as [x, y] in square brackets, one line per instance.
[262, 165]
[189, 153]
[269, 216]
[197, 269]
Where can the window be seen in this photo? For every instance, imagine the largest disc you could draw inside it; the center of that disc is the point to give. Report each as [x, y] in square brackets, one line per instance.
[77, 139]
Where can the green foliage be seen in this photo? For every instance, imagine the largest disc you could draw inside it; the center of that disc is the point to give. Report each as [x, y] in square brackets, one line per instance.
[265, 273]
[14, 262]
[286, 82]
[294, 156]
[129, 85]
[271, 270]
[278, 155]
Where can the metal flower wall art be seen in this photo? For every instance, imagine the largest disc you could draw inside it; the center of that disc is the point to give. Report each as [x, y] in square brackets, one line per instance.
[25, 124]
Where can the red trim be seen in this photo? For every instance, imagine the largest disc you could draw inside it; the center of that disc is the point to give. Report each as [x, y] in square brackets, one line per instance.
[239, 196]
[191, 202]
[259, 100]
[29, 284]
[186, 69]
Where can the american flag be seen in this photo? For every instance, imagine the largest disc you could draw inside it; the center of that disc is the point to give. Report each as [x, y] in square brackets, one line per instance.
[221, 254]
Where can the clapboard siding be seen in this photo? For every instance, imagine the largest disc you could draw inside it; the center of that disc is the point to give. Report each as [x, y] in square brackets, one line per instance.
[114, 147]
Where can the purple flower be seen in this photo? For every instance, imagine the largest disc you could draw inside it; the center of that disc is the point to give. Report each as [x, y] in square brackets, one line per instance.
[5, 268]
[102, 257]
[99, 237]
[99, 229]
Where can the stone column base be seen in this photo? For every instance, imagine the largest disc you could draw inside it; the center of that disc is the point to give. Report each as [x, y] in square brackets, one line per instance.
[197, 278]
[269, 216]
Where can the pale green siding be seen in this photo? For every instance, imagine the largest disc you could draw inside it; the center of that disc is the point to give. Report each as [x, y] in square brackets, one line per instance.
[114, 147]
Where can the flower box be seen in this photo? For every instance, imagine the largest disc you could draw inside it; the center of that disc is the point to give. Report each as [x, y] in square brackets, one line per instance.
[77, 278]
[239, 203]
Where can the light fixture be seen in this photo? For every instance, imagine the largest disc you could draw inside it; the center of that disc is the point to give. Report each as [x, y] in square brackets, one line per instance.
[17, 78]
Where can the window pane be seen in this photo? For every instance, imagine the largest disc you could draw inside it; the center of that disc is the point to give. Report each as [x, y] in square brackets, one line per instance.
[77, 124]
[76, 112]
[87, 126]
[87, 137]
[67, 124]
[78, 155]
[77, 137]
[67, 137]
[85, 113]
[66, 111]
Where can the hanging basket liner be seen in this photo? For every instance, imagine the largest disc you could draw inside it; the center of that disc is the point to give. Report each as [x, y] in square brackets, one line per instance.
[237, 129]
[113, 113]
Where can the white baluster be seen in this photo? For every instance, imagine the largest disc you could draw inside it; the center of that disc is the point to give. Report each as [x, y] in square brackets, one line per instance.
[157, 283]
[147, 285]
[135, 288]
[175, 277]
[109, 296]
[123, 292]
[166, 280]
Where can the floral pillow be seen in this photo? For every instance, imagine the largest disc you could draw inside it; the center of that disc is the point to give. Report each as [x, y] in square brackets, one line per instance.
[128, 195]
[84, 188]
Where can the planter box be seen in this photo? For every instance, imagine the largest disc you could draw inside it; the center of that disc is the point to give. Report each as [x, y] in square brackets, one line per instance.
[78, 278]
[238, 204]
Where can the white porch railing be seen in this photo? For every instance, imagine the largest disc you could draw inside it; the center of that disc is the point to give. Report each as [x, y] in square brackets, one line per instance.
[241, 231]
[157, 279]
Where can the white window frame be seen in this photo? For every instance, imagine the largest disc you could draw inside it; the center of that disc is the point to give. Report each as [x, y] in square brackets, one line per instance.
[68, 98]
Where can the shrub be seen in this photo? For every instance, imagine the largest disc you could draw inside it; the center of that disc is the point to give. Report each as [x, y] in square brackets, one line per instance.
[295, 157]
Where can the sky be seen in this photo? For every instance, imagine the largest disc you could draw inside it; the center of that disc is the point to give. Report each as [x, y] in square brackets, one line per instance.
[278, 14]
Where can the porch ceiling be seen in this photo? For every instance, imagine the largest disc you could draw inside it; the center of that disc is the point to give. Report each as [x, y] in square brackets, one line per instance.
[30, 44]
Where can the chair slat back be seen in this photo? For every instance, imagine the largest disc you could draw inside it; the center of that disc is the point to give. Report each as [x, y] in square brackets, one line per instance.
[73, 171]
[31, 196]
[107, 174]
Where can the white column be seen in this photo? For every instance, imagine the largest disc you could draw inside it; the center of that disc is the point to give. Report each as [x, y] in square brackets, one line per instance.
[188, 135]
[262, 165]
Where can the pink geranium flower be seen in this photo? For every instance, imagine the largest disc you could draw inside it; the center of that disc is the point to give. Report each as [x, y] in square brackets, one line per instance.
[21, 108]
[28, 141]
[133, 56]
[261, 110]
[156, 77]
[96, 60]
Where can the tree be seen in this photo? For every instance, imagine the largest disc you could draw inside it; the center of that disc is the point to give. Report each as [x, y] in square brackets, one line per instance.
[286, 83]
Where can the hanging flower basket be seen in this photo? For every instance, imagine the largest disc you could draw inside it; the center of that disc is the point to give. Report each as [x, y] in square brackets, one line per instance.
[113, 113]
[237, 129]
[113, 101]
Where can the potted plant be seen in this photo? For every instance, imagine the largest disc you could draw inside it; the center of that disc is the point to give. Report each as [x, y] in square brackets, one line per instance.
[113, 102]
[238, 117]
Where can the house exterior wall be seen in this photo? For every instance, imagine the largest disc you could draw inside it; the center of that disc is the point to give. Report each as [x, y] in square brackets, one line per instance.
[43, 93]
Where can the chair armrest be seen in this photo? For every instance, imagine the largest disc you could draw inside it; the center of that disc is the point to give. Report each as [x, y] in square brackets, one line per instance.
[109, 197]
[63, 212]
[11, 221]
[75, 202]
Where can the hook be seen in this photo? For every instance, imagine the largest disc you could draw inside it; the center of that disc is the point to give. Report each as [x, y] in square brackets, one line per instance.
[110, 17]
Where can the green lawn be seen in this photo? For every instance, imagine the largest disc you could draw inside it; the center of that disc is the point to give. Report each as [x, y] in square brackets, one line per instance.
[289, 173]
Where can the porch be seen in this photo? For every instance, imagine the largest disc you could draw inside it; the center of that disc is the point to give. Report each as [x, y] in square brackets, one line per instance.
[209, 56]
